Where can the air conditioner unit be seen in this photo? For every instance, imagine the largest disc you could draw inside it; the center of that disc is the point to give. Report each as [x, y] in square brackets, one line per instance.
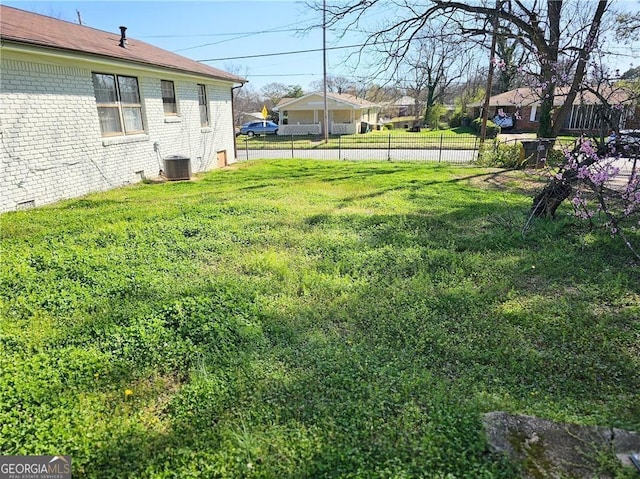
[177, 167]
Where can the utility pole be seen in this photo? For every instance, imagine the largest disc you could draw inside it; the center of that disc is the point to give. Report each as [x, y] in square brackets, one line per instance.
[487, 95]
[324, 69]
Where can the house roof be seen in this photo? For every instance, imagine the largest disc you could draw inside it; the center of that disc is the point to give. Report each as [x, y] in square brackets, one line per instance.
[405, 101]
[530, 96]
[29, 28]
[350, 100]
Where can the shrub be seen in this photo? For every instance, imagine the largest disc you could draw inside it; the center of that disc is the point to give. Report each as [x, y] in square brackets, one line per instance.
[502, 155]
[555, 157]
[433, 115]
[492, 128]
[457, 118]
[388, 126]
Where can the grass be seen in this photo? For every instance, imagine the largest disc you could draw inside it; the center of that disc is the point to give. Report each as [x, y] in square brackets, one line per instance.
[300, 319]
[461, 138]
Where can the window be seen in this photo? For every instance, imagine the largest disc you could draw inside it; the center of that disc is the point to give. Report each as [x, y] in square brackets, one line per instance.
[119, 107]
[169, 98]
[534, 116]
[204, 107]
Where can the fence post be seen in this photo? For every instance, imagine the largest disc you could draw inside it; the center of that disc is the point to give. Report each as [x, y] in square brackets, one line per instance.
[340, 147]
[440, 150]
[389, 148]
[246, 147]
[475, 148]
[291, 145]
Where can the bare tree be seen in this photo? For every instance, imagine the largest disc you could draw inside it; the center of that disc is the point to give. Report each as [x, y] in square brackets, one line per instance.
[512, 56]
[378, 93]
[548, 30]
[628, 26]
[432, 65]
[272, 93]
[246, 100]
[336, 84]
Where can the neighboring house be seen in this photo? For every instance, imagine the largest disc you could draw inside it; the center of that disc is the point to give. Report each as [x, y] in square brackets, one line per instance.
[347, 114]
[523, 105]
[84, 110]
[405, 106]
[401, 113]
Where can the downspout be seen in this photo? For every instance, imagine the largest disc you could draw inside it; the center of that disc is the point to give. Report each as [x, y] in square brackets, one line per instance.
[233, 121]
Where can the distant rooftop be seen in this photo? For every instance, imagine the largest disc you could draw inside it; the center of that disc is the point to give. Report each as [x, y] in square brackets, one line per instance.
[529, 96]
[341, 97]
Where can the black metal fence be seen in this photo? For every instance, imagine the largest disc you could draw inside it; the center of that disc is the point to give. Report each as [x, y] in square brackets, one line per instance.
[389, 147]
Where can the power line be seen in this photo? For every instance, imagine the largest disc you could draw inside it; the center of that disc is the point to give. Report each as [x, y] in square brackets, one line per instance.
[296, 52]
[286, 75]
[278, 29]
[242, 34]
[194, 35]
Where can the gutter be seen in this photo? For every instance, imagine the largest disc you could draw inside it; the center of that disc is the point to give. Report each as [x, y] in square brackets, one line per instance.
[233, 121]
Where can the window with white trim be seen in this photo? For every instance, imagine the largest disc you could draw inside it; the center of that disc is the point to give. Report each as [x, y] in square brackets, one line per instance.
[534, 115]
[169, 98]
[204, 106]
[119, 105]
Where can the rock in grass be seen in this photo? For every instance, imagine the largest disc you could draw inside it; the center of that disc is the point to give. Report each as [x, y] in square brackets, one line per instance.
[548, 449]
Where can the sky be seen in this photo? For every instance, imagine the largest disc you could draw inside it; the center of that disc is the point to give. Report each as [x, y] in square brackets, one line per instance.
[219, 31]
[247, 38]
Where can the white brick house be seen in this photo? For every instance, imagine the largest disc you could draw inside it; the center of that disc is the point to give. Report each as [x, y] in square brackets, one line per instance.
[82, 110]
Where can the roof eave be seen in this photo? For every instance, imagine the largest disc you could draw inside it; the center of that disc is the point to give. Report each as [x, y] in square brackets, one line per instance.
[76, 52]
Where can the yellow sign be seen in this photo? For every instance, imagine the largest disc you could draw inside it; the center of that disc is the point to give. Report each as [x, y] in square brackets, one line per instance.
[264, 112]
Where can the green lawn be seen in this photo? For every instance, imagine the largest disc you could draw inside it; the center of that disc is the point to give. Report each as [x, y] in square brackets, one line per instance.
[396, 138]
[300, 319]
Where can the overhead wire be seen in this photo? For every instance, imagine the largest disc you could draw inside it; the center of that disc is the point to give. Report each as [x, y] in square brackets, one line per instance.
[240, 35]
[293, 52]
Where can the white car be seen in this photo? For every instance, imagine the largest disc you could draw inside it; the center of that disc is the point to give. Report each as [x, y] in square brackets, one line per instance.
[505, 122]
[627, 143]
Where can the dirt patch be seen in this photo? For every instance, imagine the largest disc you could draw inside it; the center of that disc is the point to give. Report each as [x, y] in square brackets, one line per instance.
[525, 182]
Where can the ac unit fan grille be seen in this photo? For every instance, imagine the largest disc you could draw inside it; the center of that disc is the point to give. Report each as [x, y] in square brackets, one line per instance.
[177, 168]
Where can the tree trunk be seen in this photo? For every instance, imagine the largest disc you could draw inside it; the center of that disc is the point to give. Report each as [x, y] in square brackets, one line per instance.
[557, 190]
[545, 127]
[548, 64]
[581, 66]
[429, 104]
[550, 198]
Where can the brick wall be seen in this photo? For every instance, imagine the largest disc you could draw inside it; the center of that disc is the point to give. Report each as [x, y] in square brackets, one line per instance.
[52, 147]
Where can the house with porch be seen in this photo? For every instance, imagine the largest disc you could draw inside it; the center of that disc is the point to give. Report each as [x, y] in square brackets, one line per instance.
[523, 106]
[347, 114]
[85, 110]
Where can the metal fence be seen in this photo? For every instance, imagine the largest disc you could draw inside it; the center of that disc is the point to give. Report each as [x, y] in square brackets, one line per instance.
[391, 147]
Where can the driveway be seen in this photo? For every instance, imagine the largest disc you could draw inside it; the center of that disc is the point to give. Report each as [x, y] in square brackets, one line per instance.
[626, 166]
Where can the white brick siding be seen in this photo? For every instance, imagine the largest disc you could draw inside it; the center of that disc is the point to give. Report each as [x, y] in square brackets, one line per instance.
[52, 147]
